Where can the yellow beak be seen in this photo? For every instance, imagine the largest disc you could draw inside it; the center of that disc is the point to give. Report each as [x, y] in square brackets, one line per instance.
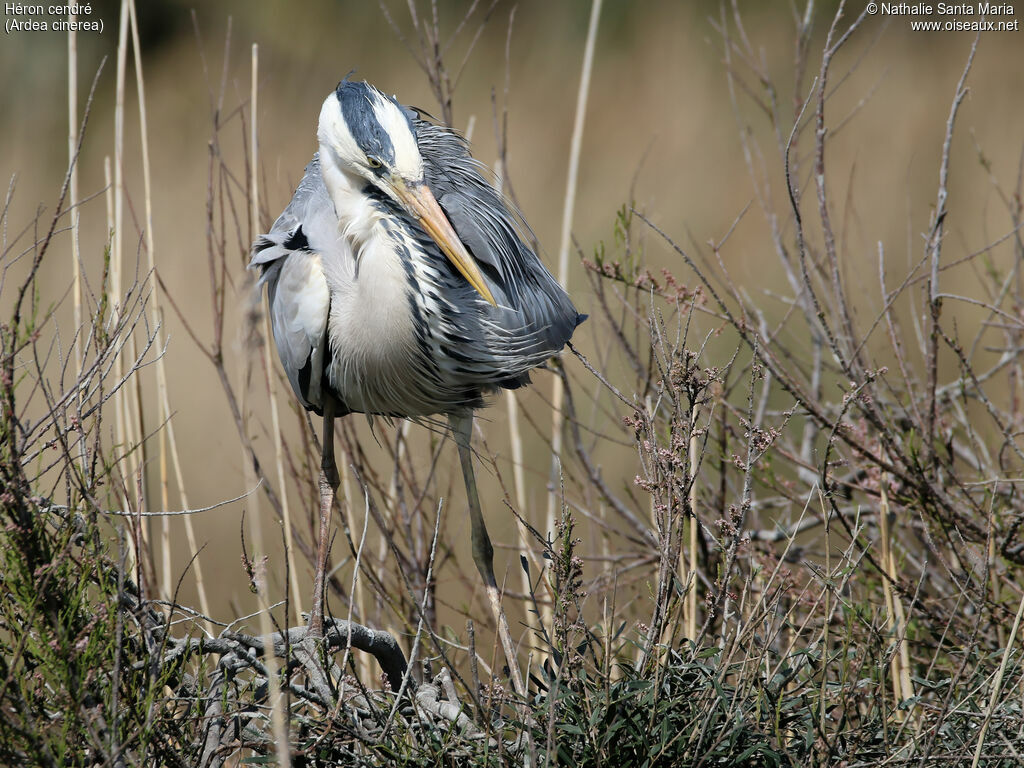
[421, 201]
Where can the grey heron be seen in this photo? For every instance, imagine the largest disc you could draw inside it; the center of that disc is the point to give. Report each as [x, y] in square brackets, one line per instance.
[399, 284]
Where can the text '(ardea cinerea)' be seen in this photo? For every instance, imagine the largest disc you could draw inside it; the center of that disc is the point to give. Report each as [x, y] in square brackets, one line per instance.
[400, 284]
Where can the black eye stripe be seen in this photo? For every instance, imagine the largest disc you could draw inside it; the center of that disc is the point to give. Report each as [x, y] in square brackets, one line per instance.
[357, 101]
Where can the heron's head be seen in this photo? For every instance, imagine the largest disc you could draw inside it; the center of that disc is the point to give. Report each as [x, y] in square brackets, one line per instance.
[371, 139]
[368, 135]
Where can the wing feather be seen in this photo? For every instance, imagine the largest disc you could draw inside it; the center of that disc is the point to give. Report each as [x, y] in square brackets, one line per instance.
[291, 258]
[531, 303]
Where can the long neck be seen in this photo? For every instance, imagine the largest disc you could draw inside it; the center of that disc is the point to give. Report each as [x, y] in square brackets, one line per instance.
[356, 212]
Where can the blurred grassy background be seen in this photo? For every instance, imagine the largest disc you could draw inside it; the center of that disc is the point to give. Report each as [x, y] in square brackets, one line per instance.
[660, 123]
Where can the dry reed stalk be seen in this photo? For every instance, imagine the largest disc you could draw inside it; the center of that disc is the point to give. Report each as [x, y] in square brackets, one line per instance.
[511, 399]
[76, 256]
[114, 216]
[558, 392]
[268, 365]
[382, 555]
[401, 435]
[123, 429]
[167, 439]
[515, 440]
[396, 523]
[346, 491]
[190, 531]
[127, 400]
[249, 472]
[365, 663]
[108, 195]
[275, 425]
[691, 576]
[278, 719]
[518, 475]
[896, 622]
[277, 702]
[154, 305]
[827, 615]
[906, 684]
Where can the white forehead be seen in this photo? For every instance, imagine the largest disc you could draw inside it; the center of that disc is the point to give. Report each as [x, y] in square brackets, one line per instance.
[332, 131]
[407, 153]
[369, 123]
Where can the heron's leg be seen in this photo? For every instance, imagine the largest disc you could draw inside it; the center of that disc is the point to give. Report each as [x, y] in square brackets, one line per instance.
[483, 551]
[328, 489]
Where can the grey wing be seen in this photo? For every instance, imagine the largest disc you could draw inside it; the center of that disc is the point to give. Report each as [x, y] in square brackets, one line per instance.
[290, 257]
[531, 303]
[543, 311]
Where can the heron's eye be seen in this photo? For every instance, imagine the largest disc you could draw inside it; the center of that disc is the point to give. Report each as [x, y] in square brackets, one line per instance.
[373, 162]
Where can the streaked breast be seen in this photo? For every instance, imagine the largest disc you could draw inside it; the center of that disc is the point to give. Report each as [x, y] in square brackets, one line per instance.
[376, 358]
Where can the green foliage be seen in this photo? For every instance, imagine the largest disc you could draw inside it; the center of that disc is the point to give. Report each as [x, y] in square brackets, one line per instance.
[682, 714]
[79, 680]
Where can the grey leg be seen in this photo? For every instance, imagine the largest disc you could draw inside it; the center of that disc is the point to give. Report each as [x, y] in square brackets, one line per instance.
[328, 489]
[483, 551]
